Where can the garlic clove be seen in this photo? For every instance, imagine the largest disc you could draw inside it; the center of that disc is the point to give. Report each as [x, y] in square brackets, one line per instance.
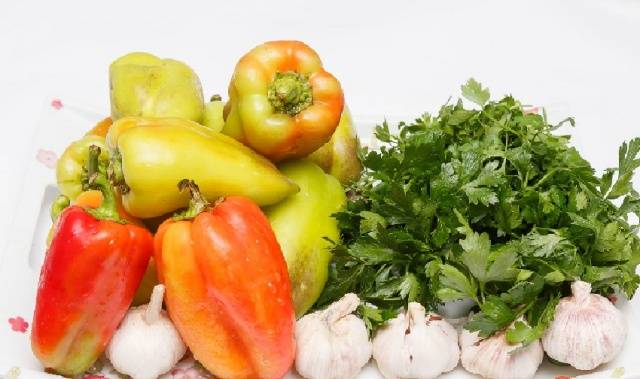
[493, 358]
[416, 345]
[332, 343]
[146, 344]
[587, 330]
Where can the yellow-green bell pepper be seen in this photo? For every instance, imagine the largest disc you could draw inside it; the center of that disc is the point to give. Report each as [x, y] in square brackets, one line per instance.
[213, 117]
[149, 156]
[302, 223]
[145, 85]
[339, 156]
[70, 172]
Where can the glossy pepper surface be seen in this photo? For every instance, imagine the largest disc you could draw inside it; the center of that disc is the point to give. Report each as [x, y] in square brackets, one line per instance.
[101, 128]
[227, 288]
[282, 102]
[302, 224]
[213, 117]
[339, 156]
[70, 173]
[90, 274]
[151, 155]
[144, 85]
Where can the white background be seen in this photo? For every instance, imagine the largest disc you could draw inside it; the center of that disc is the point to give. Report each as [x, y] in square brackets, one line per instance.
[394, 58]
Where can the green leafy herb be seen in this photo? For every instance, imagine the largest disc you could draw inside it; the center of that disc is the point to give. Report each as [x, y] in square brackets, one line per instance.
[486, 204]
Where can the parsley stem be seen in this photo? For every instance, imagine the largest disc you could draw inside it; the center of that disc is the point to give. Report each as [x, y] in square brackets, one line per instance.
[547, 176]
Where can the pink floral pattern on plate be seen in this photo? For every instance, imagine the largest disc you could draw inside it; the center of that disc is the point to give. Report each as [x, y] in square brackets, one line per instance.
[56, 104]
[18, 324]
[47, 158]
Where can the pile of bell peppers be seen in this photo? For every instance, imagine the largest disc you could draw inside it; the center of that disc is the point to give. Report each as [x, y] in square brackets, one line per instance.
[229, 204]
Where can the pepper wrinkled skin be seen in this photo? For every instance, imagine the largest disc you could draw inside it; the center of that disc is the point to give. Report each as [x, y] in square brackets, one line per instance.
[151, 155]
[302, 222]
[339, 156]
[89, 276]
[227, 290]
[282, 103]
[144, 85]
[69, 168]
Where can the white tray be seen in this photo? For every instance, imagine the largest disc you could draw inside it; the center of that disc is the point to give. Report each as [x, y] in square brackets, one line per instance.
[22, 256]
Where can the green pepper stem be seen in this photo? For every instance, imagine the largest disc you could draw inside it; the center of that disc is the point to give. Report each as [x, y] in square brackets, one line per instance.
[290, 93]
[197, 203]
[59, 204]
[96, 173]
[115, 174]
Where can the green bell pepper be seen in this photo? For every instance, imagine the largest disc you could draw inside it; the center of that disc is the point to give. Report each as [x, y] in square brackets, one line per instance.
[302, 224]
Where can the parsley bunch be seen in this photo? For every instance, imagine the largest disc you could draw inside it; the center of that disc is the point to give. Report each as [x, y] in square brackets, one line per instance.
[486, 204]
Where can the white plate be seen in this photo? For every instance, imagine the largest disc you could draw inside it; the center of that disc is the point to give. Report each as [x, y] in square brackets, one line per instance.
[21, 259]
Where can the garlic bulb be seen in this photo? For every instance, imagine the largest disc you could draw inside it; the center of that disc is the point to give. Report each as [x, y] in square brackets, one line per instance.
[146, 344]
[332, 343]
[415, 345]
[492, 357]
[587, 329]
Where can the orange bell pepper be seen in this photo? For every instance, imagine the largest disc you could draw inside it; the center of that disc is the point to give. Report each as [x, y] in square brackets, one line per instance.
[227, 287]
[101, 128]
[282, 103]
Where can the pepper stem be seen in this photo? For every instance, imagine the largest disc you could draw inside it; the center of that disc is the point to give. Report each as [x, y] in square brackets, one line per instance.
[216, 97]
[290, 93]
[97, 177]
[114, 173]
[197, 203]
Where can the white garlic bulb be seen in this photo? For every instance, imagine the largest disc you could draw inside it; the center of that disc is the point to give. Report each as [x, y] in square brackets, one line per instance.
[416, 345]
[146, 344]
[587, 329]
[332, 343]
[493, 358]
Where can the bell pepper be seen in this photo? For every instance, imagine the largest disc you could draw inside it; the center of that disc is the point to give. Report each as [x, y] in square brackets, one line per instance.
[282, 103]
[101, 128]
[214, 114]
[86, 199]
[339, 156]
[151, 155]
[93, 199]
[70, 173]
[144, 85]
[90, 274]
[227, 288]
[302, 224]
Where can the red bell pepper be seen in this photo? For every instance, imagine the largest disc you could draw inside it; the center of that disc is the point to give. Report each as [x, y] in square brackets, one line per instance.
[227, 287]
[90, 274]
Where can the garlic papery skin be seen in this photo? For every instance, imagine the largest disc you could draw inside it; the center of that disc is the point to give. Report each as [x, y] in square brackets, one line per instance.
[416, 345]
[332, 343]
[493, 358]
[146, 344]
[587, 329]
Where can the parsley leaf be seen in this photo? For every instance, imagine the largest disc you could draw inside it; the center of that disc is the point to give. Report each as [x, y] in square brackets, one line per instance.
[474, 92]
